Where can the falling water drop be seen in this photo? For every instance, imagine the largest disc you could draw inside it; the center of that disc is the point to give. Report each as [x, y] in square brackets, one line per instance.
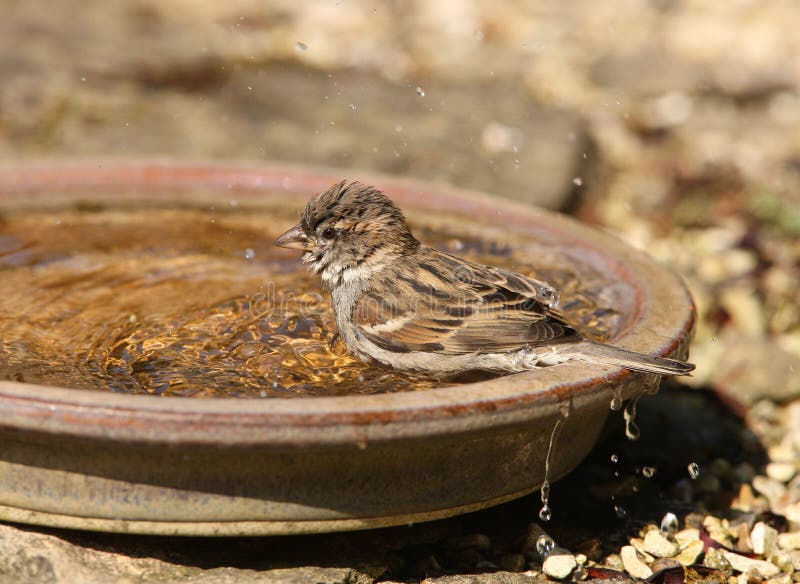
[620, 511]
[631, 429]
[669, 524]
[648, 472]
[249, 253]
[420, 91]
[545, 545]
[615, 458]
[301, 46]
[694, 470]
[545, 513]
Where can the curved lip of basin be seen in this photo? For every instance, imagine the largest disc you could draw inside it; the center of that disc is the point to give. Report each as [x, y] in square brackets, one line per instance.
[327, 421]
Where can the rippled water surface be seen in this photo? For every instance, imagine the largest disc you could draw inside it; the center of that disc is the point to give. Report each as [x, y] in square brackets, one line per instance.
[195, 301]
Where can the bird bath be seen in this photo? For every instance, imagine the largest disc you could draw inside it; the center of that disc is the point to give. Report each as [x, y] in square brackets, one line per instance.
[131, 289]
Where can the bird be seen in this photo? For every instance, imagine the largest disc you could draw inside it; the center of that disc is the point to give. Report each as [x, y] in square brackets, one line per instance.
[401, 303]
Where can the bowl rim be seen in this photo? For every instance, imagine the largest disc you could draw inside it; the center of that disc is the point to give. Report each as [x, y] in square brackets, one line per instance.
[661, 324]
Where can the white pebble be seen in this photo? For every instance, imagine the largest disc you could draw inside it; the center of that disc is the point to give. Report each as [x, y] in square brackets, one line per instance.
[690, 553]
[659, 545]
[781, 471]
[744, 565]
[559, 564]
[789, 541]
[633, 564]
[764, 538]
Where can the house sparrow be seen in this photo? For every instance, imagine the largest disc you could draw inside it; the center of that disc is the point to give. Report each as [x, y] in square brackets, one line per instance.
[401, 303]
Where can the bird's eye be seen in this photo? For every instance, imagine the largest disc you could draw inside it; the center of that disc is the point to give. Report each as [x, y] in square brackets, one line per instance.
[329, 233]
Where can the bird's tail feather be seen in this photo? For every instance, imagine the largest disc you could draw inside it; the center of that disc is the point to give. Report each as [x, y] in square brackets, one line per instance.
[607, 354]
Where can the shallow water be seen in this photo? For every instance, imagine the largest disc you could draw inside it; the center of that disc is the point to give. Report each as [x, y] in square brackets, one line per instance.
[195, 301]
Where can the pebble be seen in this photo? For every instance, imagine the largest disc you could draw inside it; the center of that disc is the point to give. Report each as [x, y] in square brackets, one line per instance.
[773, 490]
[714, 558]
[781, 471]
[718, 531]
[690, 553]
[782, 560]
[745, 500]
[633, 564]
[659, 545]
[789, 541]
[614, 561]
[559, 564]
[742, 564]
[686, 536]
[663, 564]
[792, 512]
[764, 539]
[638, 545]
[794, 557]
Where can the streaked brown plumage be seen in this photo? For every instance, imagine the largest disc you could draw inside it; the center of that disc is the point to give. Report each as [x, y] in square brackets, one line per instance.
[410, 306]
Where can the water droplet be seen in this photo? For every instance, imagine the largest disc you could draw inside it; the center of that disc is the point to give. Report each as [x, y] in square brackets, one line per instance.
[648, 472]
[300, 46]
[249, 253]
[631, 429]
[620, 511]
[669, 524]
[694, 470]
[420, 91]
[545, 544]
[353, 106]
[615, 458]
[545, 514]
[577, 181]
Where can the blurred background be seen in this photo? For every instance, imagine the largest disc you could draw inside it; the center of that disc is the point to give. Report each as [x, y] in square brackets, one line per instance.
[674, 124]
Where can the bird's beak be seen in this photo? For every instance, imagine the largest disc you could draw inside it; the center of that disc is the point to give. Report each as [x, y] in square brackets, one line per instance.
[295, 238]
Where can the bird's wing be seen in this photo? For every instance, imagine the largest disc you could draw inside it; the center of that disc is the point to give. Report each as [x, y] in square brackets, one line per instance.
[452, 306]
